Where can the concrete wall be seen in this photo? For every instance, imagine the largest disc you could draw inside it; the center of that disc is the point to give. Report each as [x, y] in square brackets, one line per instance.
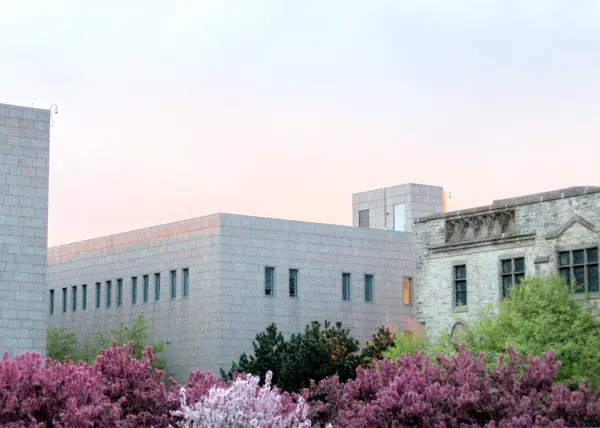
[24, 152]
[542, 230]
[191, 324]
[321, 253]
[419, 200]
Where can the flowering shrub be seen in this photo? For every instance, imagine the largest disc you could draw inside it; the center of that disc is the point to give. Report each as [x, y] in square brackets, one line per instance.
[417, 390]
[242, 404]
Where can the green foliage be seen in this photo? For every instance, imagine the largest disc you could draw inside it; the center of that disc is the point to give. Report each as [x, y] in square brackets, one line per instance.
[406, 344]
[62, 343]
[319, 351]
[540, 315]
[384, 339]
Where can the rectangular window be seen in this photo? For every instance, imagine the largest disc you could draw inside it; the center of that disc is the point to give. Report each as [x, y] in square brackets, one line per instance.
[108, 294]
[407, 291]
[134, 290]
[185, 286]
[119, 292]
[269, 281]
[345, 286]
[460, 285]
[293, 283]
[579, 269]
[64, 300]
[84, 297]
[145, 288]
[363, 218]
[400, 218]
[98, 294]
[156, 287]
[51, 302]
[74, 298]
[368, 288]
[173, 284]
[512, 272]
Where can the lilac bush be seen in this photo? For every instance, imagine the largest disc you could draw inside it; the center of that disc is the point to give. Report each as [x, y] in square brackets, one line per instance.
[417, 390]
[244, 403]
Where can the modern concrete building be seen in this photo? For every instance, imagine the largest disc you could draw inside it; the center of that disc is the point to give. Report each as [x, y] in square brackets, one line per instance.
[209, 285]
[24, 152]
[467, 260]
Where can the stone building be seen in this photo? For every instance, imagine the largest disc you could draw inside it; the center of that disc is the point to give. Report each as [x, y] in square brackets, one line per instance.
[24, 151]
[209, 285]
[467, 260]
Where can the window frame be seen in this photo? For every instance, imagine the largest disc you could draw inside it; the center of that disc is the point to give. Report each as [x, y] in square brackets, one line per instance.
[293, 275]
[157, 287]
[407, 289]
[269, 276]
[173, 280]
[586, 264]
[51, 308]
[64, 300]
[455, 282]
[134, 284]
[185, 282]
[346, 286]
[516, 276]
[74, 298]
[119, 292]
[84, 297]
[145, 288]
[108, 301]
[369, 280]
[98, 295]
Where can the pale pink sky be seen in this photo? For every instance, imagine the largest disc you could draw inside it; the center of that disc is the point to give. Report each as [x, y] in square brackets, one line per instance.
[172, 110]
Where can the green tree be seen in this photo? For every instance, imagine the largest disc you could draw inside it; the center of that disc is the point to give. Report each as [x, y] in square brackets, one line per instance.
[406, 344]
[61, 343]
[538, 316]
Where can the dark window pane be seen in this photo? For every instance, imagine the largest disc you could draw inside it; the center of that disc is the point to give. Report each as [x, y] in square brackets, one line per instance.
[592, 255]
[563, 258]
[506, 266]
[461, 293]
[578, 257]
[579, 277]
[506, 284]
[519, 277]
[520, 265]
[460, 272]
[565, 274]
[593, 278]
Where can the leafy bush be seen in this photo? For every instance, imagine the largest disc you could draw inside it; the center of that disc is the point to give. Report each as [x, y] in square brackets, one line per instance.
[418, 390]
[62, 343]
[540, 315]
[314, 354]
[244, 404]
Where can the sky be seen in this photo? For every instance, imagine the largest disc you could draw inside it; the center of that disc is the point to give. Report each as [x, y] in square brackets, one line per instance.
[281, 108]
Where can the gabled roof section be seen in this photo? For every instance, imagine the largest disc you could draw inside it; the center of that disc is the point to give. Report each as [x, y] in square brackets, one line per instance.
[575, 219]
[501, 204]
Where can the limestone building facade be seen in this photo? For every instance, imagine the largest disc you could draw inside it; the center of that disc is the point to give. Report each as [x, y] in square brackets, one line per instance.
[467, 260]
[209, 285]
[24, 153]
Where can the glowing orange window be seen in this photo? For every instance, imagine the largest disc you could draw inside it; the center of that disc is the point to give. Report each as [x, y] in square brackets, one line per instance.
[407, 291]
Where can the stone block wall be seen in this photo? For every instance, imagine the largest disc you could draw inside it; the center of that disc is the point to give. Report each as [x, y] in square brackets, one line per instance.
[24, 154]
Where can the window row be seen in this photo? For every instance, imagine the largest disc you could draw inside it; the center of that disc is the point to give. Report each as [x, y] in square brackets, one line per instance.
[578, 268]
[106, 296]
[346, 285]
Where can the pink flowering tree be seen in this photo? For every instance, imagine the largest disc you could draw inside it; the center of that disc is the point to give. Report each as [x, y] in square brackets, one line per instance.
[244, 403]
[417, 390]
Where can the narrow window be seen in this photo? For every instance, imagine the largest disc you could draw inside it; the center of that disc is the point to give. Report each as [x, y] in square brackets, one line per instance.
[84, 297]
[74, 298]
[173, 284]
[460, 285]
[145, 288]
[368, 288]
[98, 294]
[185, 287]
[400, 217]
[108, 294]
[269, 281]
[64, 300]
[363, 218]
[293, 282]
[579, 269]
[119, 292]
[512, 272]
[407, 291]
[51, 302]
[134, 290]
[345, 286]
[156, 287]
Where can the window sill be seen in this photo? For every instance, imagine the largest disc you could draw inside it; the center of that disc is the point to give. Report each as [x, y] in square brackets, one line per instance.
[460, 309]
[583, 296]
